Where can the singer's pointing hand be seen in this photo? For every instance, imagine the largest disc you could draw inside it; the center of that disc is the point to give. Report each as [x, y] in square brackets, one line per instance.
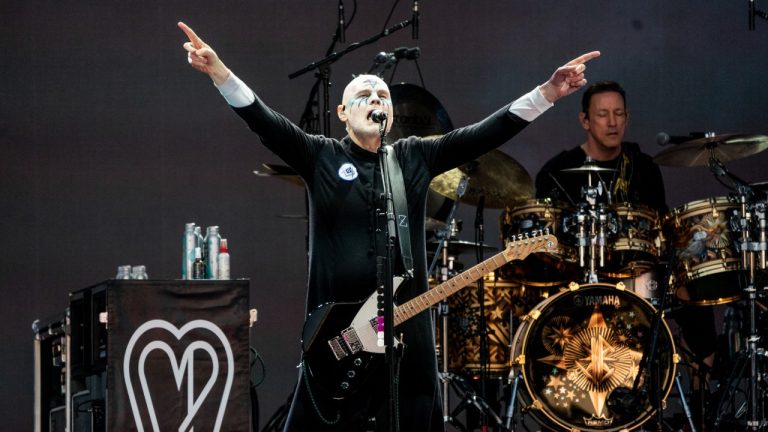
[568, 78]
[202, 57]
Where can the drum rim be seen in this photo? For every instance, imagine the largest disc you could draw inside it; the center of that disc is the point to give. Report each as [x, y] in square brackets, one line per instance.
[698, 206]
[527, 325]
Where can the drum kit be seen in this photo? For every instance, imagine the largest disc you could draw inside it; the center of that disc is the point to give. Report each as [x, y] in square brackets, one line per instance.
[577, 337]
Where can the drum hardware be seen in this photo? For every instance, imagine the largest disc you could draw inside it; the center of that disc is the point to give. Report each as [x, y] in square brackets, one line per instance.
[445, 272]
[472, 399]
[592, 225]
[447, 246]
[750, 251]
[684, 403]
[592, 220]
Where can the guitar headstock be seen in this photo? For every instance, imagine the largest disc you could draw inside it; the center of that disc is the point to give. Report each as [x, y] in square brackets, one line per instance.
[528, 243]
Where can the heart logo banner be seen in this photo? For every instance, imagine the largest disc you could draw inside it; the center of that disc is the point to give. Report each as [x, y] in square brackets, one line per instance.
[178, 356]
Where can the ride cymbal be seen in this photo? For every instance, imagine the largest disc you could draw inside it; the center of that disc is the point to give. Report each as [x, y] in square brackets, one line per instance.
[495, 175]
[697, 152]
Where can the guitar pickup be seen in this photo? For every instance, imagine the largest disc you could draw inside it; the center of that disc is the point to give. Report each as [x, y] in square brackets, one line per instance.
[337, 348]
[353, 342]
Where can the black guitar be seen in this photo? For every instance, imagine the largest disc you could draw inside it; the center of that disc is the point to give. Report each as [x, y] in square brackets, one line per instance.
[339, 339]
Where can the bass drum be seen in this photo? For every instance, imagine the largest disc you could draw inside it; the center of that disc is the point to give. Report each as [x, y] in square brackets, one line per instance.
[579, 352]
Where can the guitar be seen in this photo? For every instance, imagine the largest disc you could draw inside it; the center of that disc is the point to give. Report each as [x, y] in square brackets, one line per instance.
[339, 339]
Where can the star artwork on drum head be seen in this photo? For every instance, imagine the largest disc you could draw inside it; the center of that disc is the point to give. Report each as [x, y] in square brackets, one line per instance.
[596, 359]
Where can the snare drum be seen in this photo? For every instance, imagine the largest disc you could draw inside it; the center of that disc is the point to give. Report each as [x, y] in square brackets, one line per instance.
[709, 269]
[542, 269]
[635, 248]
[578, 347]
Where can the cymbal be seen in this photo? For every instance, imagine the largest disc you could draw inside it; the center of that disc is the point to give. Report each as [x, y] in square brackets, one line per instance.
[417, 112]
[723, 147]
[495, 175]
[281, 172]
[587, 168]
[461, 246]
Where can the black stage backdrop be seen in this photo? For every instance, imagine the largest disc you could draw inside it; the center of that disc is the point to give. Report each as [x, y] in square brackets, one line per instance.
[110, 142]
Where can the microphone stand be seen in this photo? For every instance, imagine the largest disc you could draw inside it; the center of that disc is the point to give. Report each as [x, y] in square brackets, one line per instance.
[324, 68]
[479, 238]
[649, 365]
[387, 308]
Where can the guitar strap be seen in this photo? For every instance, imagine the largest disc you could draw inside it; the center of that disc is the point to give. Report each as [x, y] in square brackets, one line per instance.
[400, 205]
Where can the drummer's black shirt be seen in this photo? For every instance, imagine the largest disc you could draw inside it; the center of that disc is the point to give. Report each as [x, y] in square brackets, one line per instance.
[641, 176]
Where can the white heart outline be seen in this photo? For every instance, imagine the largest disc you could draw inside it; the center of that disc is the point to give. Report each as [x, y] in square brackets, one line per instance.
[178, 372]
[178, 333]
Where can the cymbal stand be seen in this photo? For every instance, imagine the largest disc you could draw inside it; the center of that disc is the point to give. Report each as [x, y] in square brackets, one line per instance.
[749, 250]
[446, 271]
[472, 399]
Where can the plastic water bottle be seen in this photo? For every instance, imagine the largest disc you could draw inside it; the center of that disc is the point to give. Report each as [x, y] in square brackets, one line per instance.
[212, 241]
[223, 260]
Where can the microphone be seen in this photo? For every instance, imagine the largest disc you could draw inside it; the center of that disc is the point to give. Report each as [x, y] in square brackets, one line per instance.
[383, 57]
[407, 53]
[378, 116]
[663, 138]
[390, 58]
[415, 20]
[342, 36]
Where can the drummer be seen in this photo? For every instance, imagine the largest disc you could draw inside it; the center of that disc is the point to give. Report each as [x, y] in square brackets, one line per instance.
[636, 179]
[604, 117]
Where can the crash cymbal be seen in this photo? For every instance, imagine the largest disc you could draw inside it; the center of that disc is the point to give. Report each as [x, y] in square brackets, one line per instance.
[417, 112]
[281, 172]
[495, 175]
[588, 167]
[725, 148]
[460, 246]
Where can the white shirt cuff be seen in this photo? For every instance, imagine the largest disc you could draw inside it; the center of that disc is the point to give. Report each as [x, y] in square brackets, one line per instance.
[530, 105]
[236, 92]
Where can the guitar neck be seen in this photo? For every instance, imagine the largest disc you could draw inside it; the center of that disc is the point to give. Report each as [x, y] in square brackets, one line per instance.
[439, 293]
